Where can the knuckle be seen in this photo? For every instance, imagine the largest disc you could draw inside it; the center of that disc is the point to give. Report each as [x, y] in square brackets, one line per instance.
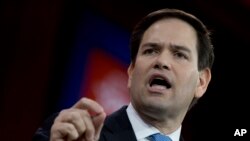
[85, 113]
[74, 116]
[69, 116]
[83, 100]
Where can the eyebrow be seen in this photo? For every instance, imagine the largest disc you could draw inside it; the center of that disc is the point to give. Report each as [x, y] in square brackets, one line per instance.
[172, 46]
[179, 47]
[154, 45]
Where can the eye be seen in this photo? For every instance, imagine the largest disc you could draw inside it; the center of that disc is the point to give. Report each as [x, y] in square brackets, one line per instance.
[180, 55]
[148, 51]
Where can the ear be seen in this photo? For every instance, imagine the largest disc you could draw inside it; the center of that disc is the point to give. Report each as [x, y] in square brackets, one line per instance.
[204, 79]
[130, 71]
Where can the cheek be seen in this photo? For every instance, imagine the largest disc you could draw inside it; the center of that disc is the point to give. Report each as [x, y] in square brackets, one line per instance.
[188, 82]
[187, 73]
[137, 76]
[186, 89]
[132, 77]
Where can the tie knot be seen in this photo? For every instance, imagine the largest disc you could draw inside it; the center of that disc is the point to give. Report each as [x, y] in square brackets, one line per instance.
[159, 137]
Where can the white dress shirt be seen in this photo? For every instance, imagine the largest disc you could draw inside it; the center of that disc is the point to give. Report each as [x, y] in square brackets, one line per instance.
[142, 130]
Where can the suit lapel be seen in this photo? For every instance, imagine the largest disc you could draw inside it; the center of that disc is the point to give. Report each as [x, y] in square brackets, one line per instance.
[124, 136]
[117, 127]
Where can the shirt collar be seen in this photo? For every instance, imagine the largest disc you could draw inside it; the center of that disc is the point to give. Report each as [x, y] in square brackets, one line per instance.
[142, 129]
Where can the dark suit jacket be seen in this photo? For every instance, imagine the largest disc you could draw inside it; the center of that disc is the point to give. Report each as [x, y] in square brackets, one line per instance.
[117, 127]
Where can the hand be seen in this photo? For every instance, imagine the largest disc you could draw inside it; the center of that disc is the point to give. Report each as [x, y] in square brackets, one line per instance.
[82, 122]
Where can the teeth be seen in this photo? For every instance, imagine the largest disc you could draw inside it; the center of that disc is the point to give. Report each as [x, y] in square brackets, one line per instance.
[159, 78]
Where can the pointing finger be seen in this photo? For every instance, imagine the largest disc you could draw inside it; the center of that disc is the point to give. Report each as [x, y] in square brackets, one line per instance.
[87, 104]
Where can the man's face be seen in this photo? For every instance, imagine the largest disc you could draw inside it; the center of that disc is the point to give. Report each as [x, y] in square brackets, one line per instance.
[165, 76]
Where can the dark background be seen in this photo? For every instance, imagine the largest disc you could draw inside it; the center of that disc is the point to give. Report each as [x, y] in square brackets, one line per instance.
[36, 36]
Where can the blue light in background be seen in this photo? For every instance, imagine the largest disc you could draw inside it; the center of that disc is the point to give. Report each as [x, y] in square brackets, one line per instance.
[93, 32]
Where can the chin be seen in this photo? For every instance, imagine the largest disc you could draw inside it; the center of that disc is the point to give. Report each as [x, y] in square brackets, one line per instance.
[155, 106]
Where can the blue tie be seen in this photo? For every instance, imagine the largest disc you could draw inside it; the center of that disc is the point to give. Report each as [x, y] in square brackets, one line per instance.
[159, 137]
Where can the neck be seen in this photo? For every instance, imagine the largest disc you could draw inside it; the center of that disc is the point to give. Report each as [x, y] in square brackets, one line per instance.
[167, 126]
[165, 123]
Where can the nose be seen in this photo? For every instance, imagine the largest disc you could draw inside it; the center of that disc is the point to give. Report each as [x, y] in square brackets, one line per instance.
[161, 66]
[162, 62]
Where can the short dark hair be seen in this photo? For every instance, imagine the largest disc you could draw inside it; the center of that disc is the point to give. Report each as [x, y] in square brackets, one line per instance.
[204, 48]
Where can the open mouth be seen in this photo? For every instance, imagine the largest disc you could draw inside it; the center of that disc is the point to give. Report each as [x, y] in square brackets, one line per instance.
[159, 81]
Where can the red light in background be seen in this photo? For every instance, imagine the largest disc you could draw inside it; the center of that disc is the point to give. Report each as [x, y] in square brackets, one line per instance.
[106, 81]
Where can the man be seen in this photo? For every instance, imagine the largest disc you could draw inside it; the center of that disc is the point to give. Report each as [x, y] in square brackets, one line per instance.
[171, 60]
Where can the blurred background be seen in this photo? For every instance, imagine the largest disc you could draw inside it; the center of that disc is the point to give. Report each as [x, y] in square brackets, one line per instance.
[55, 51]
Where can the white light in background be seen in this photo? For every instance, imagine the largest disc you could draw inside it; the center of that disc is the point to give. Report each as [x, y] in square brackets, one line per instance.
[112, 92]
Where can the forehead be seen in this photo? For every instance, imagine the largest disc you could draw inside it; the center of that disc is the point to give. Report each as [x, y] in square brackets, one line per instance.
[171, 31]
